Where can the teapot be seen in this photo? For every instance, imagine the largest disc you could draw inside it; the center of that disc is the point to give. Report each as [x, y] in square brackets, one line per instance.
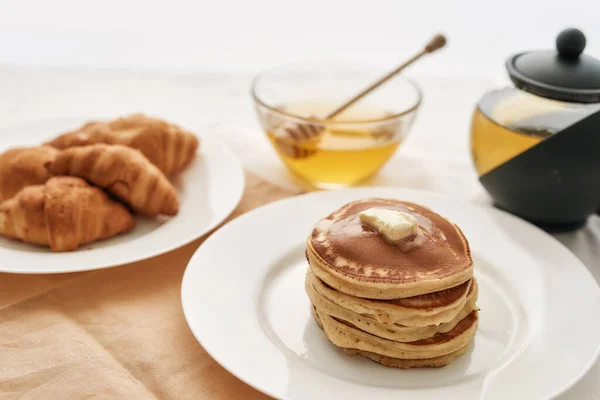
[536, 145]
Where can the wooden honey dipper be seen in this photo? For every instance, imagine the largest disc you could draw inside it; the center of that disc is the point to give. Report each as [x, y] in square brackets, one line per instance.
[289, 137]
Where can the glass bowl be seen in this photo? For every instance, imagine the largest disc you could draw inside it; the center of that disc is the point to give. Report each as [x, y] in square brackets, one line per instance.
[293, 103]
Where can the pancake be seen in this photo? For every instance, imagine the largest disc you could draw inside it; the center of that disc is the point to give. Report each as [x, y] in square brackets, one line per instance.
[395, 332]
[435, 362]
[353, 258]
[345, 335]
[424, 310]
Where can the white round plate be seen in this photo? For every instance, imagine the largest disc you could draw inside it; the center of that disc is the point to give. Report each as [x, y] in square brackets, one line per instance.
[243, 297]
[209, 189]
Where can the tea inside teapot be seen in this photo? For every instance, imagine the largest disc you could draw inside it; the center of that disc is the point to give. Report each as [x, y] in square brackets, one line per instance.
[509, 121]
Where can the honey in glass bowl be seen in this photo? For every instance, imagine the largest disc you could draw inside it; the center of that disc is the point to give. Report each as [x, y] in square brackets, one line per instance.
[342, 154]
[342, 151]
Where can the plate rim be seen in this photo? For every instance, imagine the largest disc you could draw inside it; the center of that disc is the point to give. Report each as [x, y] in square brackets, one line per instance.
[151, 252]
[223, 230]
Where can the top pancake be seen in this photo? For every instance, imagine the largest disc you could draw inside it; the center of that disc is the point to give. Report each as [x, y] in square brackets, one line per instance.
[353, 258]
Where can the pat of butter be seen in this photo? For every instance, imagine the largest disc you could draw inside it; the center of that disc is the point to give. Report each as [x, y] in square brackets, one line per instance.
[392, 225]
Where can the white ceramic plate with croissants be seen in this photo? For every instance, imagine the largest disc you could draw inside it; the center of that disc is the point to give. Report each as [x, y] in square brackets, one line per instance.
[77, 195]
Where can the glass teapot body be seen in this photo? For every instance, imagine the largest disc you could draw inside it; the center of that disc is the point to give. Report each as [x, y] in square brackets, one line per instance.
[508, 121]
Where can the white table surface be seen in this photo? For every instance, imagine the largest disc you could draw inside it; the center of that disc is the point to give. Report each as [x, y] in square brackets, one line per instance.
[434, 157]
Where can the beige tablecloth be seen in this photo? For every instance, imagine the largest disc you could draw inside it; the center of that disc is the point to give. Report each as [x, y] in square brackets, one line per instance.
[113, 333]
[435, 157]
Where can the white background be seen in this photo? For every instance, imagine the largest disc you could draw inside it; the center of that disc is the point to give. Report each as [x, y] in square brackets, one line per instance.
[251, 35]
[192, 61]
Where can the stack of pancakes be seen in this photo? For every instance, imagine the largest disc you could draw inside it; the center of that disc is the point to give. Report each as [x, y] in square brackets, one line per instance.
[402, 305]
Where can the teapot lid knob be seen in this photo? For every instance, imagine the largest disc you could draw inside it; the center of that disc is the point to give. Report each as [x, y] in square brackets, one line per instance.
[570, 43]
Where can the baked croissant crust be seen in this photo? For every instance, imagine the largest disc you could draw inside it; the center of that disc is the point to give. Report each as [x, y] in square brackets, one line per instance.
[24, 166]
[123, 172]
[63, 213]
[166, 145]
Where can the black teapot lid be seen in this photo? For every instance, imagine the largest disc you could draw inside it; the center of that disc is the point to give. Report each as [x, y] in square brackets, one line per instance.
[565, 74]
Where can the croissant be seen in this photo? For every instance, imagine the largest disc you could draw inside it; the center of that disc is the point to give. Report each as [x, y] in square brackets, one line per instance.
[63, 213]
[167, 146]
[123, 172]
[24, 166]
